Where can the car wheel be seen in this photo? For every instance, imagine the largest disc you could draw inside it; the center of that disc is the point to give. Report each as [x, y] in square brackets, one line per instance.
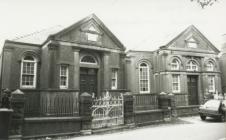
[203, 117]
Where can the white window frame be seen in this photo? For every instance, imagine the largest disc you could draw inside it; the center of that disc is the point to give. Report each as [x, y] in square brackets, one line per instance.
[66, 76]
[148, 77]
[176, 82]
[35, 72]
[210, 66]
[176, 64]
[114, 78]
[82, 62]
[190, 65]
[211, 77]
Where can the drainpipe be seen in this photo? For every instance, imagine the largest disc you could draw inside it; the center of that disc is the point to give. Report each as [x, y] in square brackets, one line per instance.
[223, 63]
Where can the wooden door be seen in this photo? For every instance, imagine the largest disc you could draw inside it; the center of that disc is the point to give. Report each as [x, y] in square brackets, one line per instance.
[88, 80]
[192, 90]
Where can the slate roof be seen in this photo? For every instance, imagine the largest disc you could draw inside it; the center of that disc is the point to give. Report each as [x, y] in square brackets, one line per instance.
[41, 36]
[38, 37]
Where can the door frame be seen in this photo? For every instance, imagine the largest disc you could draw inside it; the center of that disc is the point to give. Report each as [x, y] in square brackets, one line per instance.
[197, 89]
[96, 76]
[93, 66]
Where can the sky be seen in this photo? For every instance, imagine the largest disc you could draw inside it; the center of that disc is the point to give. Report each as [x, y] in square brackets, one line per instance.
[138, 24]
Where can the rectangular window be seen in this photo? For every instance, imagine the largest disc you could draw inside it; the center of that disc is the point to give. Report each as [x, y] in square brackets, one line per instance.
[176, 83]
[211, 83]
[114, 79]
[63, 76]
[144, 80]
[28, 74]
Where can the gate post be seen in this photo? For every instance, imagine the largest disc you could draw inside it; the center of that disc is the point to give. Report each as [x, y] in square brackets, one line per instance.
[167, 102]
[85, 112]
[17, 103]
[128, 109]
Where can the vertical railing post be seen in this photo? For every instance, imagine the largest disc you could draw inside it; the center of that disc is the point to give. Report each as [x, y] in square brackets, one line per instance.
[85, 112]
[128, 109]
[17, 102]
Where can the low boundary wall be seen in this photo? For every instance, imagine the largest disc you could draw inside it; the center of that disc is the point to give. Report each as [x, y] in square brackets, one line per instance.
[51, 126]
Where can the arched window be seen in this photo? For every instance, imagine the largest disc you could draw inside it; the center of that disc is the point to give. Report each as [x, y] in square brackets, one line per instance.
[144, 84]
[88, 59]
[210, 66]
[192, 66]
[175, 65]
[28, 72]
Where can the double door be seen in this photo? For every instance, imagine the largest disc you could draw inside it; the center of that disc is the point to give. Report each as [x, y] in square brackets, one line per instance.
[192, 82]
[88, 80]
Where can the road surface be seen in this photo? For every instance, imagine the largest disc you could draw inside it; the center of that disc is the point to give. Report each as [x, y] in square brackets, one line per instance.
[186, 128]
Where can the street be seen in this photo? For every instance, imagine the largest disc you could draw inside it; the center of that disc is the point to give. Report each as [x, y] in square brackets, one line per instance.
[185, 128]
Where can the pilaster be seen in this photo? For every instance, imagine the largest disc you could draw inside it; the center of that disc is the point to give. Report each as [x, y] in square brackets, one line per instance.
[76, 69]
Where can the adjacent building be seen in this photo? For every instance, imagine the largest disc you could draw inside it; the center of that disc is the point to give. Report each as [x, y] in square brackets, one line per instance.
[187, 66]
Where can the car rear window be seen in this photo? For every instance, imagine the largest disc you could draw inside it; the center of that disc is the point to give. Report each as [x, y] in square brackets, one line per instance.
[212, 103]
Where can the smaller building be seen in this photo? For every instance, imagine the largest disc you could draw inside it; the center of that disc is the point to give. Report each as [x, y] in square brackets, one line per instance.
[188, 66]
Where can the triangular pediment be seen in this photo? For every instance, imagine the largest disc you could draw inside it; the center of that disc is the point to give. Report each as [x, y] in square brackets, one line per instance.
[92, 31]
[192, 39]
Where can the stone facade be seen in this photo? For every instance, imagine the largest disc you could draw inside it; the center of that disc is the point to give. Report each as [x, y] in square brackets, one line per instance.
[160, 63]
[94, 60]
[88, 37]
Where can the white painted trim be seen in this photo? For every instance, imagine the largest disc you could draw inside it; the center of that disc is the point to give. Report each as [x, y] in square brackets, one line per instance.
[214, 86]
[178, 64]
[191, 65]
[210, 63]
[178, 81]
[148, 75]
[67, 77]
[116, 79]
[35, 74]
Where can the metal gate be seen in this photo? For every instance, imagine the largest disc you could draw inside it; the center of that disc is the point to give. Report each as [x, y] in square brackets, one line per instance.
[107, 111]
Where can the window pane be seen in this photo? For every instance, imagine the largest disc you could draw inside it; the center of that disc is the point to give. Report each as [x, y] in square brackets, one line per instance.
[114, 81]
[63, 76]
[191, 65]
[28, 67]
[27, 80]
[211, 83]
[175, 65]
[144, 77]
[88, 59]
[176, 83]
[210, 66]
[30, 58]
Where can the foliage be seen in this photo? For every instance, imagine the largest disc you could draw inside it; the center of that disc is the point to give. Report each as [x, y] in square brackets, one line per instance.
[204, 3]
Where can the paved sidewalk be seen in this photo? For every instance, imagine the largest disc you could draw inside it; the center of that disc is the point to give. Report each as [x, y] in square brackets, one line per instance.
[186, 128]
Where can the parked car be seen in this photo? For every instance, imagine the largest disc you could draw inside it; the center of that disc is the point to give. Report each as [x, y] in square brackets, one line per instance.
[213, 108]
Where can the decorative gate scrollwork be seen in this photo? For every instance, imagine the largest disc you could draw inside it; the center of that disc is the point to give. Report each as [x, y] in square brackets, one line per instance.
[107, 111]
